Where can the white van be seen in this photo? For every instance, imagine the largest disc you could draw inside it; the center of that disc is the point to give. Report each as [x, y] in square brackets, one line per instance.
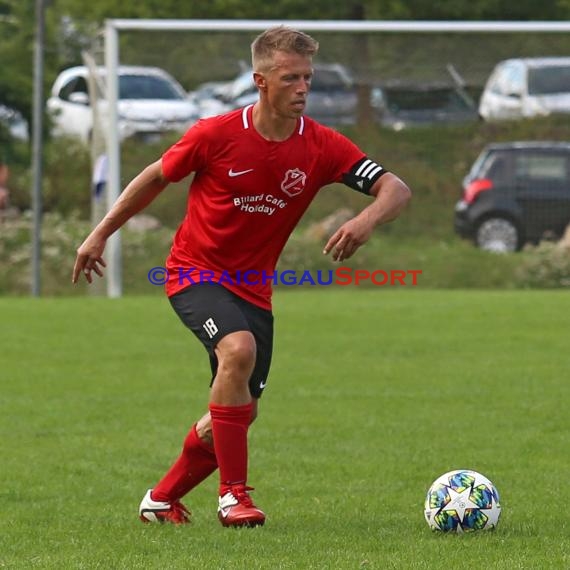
[527, 87]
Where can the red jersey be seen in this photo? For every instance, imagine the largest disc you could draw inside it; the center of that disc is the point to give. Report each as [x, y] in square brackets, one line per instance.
[247, 196]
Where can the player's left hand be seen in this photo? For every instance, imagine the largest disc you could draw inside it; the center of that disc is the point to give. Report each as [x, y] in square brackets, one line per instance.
[348, 238]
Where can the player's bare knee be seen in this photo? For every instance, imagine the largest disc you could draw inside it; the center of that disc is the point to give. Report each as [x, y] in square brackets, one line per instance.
[237, 351]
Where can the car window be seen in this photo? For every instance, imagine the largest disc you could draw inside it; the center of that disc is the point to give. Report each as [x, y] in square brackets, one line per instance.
[76, 84]
[511, 79]
[437, 99]
[508, 79]
[324, 80]
[515, 79]
[548, 80]
[543, 167]
[242, 85]
[328, 80]
[495, 81]
[146, 87]
[495, 166]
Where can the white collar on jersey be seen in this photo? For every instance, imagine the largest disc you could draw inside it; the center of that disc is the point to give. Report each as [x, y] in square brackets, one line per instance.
[245, 120]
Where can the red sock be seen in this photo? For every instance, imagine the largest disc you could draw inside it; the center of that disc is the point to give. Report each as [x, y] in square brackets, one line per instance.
[196, 462]
[229, 426]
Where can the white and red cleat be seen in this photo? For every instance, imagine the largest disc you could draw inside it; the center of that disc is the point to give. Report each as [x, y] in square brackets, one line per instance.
[162, 512]
[237, 509]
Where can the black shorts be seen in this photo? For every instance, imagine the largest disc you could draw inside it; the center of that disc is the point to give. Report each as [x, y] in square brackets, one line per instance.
[211, 312]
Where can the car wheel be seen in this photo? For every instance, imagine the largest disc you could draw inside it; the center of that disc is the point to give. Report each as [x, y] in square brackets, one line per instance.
[498, 235]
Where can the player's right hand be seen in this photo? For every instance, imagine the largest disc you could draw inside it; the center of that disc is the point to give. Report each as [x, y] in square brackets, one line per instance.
[89, 258]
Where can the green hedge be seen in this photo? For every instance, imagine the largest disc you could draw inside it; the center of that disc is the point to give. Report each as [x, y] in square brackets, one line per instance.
[432, 160]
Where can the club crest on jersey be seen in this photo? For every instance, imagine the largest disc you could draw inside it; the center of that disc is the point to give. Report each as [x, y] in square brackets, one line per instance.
[294, 182]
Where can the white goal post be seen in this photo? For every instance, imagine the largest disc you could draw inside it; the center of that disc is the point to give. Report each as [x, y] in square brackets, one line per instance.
[114, 26]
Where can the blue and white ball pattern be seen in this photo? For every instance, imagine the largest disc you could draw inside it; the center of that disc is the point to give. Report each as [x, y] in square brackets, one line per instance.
[462, 501]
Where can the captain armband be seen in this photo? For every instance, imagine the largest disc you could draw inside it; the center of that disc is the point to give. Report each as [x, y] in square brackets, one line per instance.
[363, 174]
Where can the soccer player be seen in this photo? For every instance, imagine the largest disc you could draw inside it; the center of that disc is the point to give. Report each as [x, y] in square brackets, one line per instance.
[256, 170]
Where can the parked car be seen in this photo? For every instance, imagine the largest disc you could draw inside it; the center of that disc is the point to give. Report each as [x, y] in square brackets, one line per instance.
[527, 87]
[515, 193]
[150, 102]
[332, 100]
[209, 98]
[14, 123]
[399, 106]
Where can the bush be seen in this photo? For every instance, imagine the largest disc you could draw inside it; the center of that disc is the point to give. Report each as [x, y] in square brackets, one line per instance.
[545, 266]
[432, 160]
[61, 235]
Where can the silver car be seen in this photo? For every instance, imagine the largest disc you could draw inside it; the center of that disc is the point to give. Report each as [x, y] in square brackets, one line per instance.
[527, 87]
[332, 100]
[14, 123]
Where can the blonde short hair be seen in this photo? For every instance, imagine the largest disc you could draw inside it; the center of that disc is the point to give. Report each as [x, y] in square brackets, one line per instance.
[280, 38]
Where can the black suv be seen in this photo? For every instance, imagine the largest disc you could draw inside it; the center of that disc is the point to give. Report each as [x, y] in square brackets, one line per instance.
[516, 192]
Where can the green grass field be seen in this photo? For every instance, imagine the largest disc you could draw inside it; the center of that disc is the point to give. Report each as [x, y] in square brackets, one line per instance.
[373, 394]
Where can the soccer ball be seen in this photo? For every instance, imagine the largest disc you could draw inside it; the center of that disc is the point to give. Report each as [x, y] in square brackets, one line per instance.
[462, 501]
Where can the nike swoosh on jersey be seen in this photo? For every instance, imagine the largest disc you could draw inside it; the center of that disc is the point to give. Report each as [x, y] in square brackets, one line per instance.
[232, 173]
